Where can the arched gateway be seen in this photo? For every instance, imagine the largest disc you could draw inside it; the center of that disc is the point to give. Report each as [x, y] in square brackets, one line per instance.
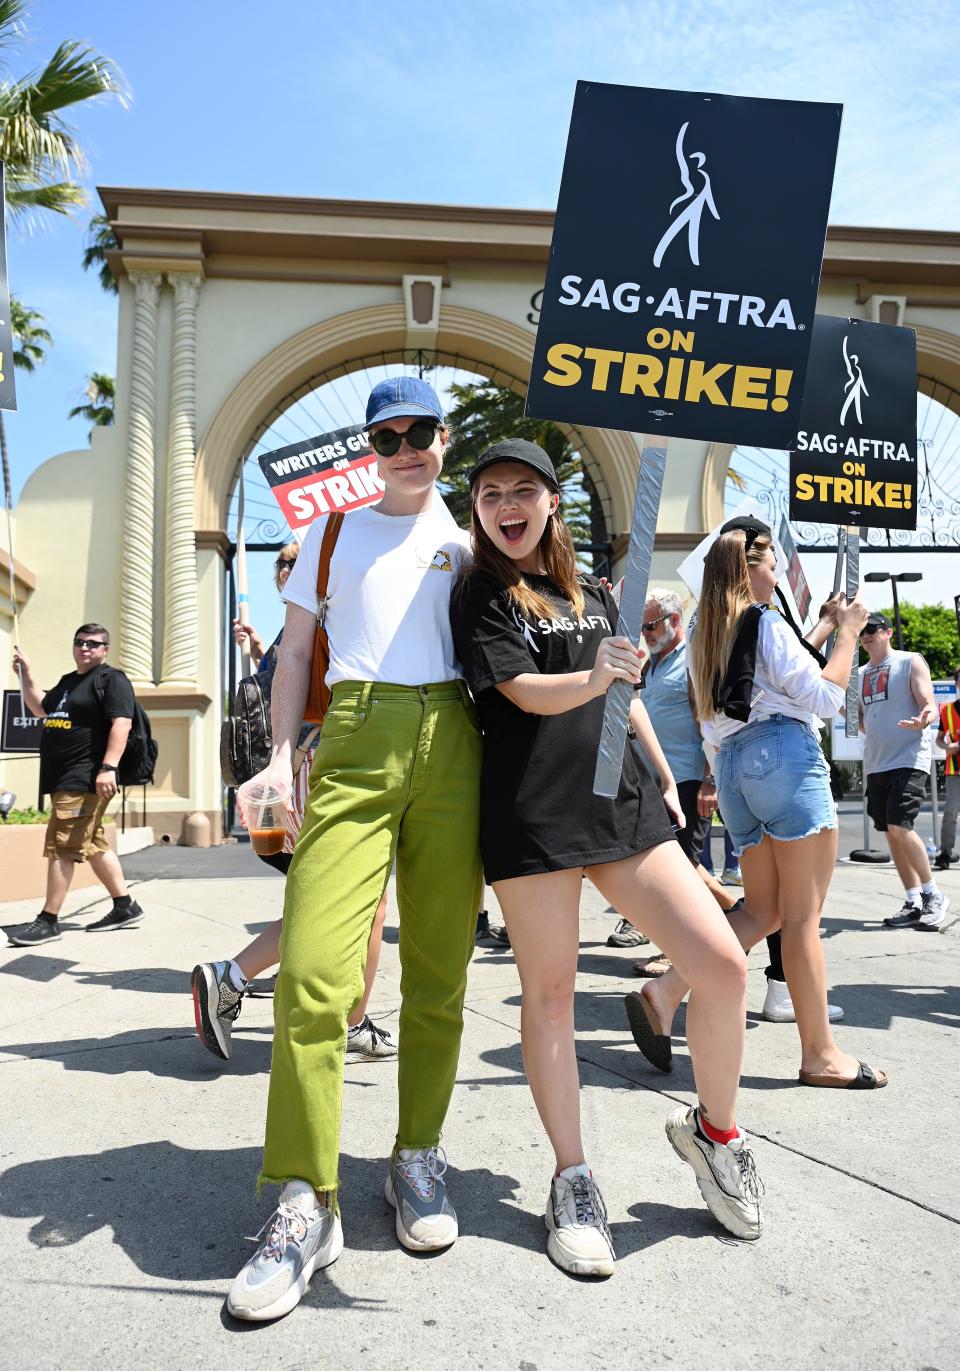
[232, 304]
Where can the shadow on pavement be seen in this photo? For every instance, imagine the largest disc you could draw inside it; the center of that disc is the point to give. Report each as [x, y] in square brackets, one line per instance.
[175, 1053]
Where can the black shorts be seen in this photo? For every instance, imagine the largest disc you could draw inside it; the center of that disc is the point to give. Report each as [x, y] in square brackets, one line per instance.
[894, 797]
[692, 837]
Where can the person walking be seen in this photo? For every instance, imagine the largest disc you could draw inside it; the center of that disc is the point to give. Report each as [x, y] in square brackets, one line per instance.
[87, 718]
[896, 709]
[948, 738]
[396, 776]
[758, 692]
[539, 646]
[219, 987]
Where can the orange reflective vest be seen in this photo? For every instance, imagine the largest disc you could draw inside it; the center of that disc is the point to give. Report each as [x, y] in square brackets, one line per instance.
[948, 723]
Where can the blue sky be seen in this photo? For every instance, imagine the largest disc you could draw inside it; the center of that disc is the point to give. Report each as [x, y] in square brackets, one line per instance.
[452, 102]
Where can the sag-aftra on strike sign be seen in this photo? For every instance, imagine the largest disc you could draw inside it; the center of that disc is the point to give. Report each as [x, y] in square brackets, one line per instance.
[686, 254]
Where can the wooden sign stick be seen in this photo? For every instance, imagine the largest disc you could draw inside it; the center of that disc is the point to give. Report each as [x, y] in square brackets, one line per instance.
[643, 528]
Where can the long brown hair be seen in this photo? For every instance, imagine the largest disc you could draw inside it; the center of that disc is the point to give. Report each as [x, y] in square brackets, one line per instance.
[559, 559]
[725, 596]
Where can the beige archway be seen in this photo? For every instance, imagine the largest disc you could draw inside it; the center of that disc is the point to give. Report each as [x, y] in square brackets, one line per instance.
[493, 346]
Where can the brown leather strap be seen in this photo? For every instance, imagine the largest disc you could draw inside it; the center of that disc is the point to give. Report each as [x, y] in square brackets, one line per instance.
[330, 535]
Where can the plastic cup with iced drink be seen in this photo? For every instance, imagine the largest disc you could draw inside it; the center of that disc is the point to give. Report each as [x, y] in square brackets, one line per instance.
[263, 805]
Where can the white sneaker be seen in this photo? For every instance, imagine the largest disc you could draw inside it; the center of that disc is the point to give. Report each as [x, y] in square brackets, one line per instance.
[301, 1236]
[576, 1218]
[933, 912]
[426, 1219]
[726, 1173]
[778, 1006]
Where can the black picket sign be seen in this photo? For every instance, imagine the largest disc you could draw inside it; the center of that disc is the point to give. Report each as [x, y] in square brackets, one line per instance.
[854, 456]
[686, 255]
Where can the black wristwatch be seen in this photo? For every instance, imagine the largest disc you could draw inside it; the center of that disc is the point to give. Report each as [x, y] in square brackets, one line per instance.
[107, 766]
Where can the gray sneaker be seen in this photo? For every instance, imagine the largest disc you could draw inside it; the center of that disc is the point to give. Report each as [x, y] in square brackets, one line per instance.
[369, 1042]
[625, 935]
[425, 1217]
[301, 1236]
[215, 1006]
[907, 916]
[576, 1219]
[933, 912]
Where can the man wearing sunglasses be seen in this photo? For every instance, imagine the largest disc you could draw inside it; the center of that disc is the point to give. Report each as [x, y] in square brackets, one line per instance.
[86, 720]
[896, 710]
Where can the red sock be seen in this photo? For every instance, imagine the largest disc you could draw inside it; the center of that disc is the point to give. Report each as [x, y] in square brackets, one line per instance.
[717, 1135]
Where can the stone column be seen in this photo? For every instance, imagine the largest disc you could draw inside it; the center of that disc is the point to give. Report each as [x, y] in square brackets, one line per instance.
[179, 662]
[137, 534]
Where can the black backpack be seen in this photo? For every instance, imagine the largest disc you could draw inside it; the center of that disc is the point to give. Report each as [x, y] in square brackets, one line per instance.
[245, 738]
[139, 760]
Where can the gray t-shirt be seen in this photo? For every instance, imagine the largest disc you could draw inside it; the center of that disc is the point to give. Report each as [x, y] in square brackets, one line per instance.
[887, 698]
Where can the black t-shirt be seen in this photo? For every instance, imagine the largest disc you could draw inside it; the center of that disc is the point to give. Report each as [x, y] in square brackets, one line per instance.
[538, 810]
[80, 709]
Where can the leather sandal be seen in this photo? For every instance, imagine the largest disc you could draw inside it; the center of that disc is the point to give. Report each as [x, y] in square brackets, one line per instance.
[865, 1079]
[652, 967]
[654, 1045]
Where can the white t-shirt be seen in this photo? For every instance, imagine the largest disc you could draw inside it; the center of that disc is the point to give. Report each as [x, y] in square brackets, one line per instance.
[388, 595]
[788, 681]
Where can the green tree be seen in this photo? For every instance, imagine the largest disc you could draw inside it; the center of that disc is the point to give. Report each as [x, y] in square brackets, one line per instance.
[30, 343]
[484, 413]
[100, 240]
[930, 630]
[101, 393]
[42, 159]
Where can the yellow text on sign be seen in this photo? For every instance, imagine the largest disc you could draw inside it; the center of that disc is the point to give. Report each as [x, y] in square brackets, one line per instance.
[855, 492]
[680, 378]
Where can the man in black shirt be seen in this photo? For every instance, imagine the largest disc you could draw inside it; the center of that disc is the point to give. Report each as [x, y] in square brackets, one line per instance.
[86, 720]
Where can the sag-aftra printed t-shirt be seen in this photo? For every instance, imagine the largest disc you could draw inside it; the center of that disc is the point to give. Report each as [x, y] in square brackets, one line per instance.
[538, 810]
[80, 709]
[388, 610]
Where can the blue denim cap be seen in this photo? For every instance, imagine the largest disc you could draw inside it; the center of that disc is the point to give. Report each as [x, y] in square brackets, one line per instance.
[400, 397]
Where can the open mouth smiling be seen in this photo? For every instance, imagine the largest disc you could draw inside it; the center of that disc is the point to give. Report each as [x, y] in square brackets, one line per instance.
[512, 530]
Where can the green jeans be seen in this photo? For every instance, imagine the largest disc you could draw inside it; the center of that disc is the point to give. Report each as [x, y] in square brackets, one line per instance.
[396, 775]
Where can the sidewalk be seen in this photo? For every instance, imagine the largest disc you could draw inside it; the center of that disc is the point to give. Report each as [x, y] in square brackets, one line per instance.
[130, 1159]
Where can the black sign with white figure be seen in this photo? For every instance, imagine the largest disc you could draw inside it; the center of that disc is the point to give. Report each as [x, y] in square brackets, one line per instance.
[686, 254]
[854, 457]
[21, 731]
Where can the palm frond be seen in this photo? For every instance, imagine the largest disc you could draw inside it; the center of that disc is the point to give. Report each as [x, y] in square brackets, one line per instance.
[59, 197]
[100, 240]
[12, 14]
[30, 338]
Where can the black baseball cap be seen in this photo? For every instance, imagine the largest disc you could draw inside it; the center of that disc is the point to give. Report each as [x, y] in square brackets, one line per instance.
[517, 450]
[877, 620]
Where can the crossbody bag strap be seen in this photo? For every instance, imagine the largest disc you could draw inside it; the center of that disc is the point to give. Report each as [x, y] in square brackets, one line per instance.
[330, 535]
[300, 756]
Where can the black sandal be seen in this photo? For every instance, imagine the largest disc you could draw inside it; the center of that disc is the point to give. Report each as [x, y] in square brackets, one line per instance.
[865, 1079]
[654, 1045]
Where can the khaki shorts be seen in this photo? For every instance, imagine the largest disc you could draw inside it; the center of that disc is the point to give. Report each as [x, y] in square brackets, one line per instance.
[75, 830]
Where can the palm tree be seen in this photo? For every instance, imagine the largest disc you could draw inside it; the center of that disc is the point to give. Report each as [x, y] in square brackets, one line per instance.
[101, 239]
[101, 393]
[30, 342]
[39, 150]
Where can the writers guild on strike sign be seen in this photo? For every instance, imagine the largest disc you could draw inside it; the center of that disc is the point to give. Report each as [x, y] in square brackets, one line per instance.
[854, 456]
[334, 471]
[682, 282]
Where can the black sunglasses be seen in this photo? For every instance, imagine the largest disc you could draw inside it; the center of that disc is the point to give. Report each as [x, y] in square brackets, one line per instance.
[651, 625]
[869, 631]
[386, 441]
[89, 642]
[288, 562]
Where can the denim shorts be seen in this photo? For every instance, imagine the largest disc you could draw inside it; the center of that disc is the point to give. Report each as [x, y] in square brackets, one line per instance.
[773, 778]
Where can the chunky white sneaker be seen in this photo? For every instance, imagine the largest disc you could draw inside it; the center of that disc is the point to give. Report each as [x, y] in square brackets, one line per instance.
[425, 1217]
[726, 1173]
[576, 1219]
[302, 1235]
[369, 1042]
[778, 1006]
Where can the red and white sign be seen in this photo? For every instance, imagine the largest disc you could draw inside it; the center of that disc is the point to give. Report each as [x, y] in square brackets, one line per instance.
[334, 471]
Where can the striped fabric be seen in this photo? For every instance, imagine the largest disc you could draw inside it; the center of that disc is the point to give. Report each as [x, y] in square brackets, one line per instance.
[948, 722]
[301, 789]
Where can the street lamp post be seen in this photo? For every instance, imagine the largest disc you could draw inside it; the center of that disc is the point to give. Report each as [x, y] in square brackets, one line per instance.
[894, 577]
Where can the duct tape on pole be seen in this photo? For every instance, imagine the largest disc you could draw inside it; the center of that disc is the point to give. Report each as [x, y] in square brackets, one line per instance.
[243, 596]
[616, 711]
[852, 725]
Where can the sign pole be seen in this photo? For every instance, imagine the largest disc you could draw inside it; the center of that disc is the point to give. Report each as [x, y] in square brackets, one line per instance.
[643, 528]
[243, 598]
[852, 726]
[837, 576]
